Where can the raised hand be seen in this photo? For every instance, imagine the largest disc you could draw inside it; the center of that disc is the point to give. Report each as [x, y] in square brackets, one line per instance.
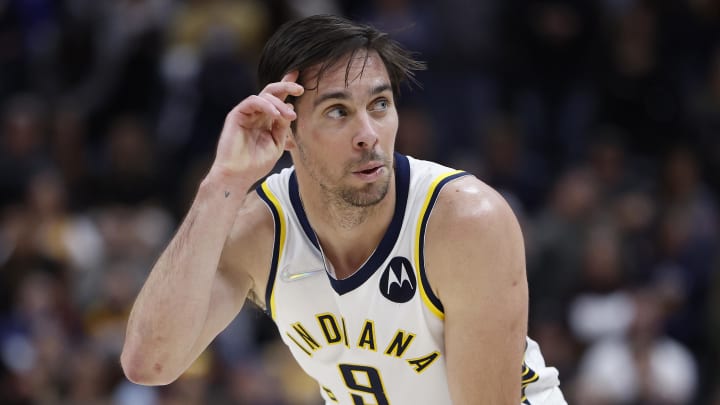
[254, 133]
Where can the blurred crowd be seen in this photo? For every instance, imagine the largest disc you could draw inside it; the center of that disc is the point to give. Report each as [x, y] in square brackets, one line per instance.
[598, 120]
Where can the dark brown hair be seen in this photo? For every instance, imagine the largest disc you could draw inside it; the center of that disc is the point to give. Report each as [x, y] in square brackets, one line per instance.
[322, 40]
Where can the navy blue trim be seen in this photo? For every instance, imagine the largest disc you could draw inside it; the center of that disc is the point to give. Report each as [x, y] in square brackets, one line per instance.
[402, 186]
[528, 379]
[423, 278]
[276, 248]
[300, 211]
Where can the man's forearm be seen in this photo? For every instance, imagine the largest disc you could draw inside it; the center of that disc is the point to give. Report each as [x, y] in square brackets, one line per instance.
[172, 307]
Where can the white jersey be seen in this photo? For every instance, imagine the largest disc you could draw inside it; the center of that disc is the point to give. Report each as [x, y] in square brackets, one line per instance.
[375, 337]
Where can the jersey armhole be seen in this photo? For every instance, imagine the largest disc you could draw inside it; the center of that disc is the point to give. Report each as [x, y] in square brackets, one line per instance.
[428, 296]
[280, 231]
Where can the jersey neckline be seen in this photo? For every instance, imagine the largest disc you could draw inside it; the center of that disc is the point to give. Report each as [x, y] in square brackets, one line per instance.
[402, 186]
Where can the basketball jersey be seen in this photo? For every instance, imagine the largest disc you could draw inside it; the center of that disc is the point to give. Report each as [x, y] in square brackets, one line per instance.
[375, 337]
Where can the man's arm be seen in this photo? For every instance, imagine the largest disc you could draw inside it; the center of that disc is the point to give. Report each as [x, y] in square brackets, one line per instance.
[185, 296]
[476, 265]
[189, 297]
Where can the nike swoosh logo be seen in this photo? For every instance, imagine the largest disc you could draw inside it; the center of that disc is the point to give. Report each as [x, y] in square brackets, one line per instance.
[286, 275]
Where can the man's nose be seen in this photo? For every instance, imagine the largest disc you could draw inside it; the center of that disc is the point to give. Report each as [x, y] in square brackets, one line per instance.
[366, 134]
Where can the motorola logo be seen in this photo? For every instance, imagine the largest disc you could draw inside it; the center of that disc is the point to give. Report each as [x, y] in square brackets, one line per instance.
[398, 282]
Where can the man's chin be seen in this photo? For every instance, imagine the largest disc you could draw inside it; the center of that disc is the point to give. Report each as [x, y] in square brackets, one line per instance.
[368, 196]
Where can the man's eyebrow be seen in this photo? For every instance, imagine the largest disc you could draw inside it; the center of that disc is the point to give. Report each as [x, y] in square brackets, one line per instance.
[344, 95]
[380, 88]
[341, 95]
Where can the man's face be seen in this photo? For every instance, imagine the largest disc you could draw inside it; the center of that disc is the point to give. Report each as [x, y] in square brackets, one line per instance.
[345, 132]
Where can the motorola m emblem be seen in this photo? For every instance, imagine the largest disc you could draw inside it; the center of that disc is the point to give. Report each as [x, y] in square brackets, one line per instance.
[398, 282]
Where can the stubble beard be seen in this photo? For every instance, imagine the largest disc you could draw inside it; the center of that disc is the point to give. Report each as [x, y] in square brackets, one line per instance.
[365, 197]
[345, 197]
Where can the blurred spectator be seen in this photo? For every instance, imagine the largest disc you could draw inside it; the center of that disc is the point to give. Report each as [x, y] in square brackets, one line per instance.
[34, 339]
[60, 236]
[614, 169]
[415, 136]
[555, 241]
[23, 149]
[208, 66]
[635, 212]
[548, 61]
[126, 49]
[635, 88]
[131, 172]
[204, 24]
[71, 155]
[641, 366]
[687, 241]
[602, 304]
[508, 165]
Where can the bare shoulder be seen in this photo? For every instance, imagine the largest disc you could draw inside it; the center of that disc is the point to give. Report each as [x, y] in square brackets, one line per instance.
[472, 234]
[249, 247]
[469, 205]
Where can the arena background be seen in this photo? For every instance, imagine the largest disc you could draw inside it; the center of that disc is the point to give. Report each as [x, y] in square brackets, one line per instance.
[598, 120]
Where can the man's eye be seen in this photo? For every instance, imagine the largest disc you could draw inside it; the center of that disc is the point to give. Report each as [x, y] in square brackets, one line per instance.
[380, 105]
[337, 112]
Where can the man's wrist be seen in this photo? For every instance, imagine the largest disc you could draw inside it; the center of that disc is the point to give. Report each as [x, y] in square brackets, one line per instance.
[228, 184]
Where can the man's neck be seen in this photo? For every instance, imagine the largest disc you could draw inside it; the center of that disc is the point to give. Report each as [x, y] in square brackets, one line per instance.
[347, 234]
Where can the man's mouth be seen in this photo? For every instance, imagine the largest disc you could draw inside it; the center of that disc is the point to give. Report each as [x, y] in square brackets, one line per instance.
[369, 171]
[369, 168]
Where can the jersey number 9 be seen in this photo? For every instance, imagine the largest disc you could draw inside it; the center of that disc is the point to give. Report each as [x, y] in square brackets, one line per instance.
[363, 379]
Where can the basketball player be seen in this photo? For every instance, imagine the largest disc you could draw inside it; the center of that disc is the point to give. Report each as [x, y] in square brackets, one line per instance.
[392, 280]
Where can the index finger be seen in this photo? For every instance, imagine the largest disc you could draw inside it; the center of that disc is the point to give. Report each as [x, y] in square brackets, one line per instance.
[286, 87]
[291, 76]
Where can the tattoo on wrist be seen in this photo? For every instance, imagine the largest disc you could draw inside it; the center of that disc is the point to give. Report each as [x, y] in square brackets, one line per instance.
[227, 194]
